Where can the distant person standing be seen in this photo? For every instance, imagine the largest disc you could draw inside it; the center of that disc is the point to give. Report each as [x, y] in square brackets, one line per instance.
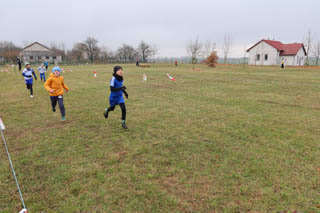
[19, 63]
[176, 62]
[137, 63]
[46, 64]
[282, 63]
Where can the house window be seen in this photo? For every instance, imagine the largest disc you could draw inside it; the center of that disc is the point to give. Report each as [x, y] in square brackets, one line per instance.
[258, 57]
[47, 57]
[31, 57]
[266, 57]
[54, 57]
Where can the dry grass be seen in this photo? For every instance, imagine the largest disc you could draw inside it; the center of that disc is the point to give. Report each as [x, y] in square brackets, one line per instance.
[228, 139]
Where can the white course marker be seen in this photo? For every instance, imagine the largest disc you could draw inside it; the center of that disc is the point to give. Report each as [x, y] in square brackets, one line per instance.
[2, 128]
[144, 77]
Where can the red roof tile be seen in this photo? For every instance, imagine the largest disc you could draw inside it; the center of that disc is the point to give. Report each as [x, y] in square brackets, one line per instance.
[284, 49]
[292, 49]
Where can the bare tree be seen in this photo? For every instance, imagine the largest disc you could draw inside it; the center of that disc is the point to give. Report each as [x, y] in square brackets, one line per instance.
[79, 52]
[316, 51]
[308, 45]
[154, 51]
[106, 54]
[126, 53]
[59, 49]
[9, 50]
[208, 48]
[226, 47]
[25, 43]
[144, 50]
[92, 48]
[194, 50]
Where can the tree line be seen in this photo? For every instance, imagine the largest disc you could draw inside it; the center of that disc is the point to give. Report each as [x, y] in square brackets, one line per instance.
[88, 51]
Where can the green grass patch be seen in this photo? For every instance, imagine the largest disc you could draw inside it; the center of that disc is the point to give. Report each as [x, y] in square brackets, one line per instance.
[228, 139]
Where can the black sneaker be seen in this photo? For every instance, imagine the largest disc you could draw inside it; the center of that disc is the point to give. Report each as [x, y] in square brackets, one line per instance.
[124, 126]
[53, 109]
[106, 113]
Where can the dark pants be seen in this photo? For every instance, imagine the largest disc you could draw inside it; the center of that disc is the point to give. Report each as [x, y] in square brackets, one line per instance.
[123, 110]
[46, 67]
[29, 86]
[19, 67]
[54, 100]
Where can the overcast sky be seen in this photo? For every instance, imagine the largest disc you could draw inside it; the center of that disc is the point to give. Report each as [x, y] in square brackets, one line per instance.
[169, 24]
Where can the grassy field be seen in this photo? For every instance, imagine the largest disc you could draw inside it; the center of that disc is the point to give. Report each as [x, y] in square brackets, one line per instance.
[229, 139]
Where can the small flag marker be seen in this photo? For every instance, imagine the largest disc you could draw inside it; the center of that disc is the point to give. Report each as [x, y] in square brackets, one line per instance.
[170, 77]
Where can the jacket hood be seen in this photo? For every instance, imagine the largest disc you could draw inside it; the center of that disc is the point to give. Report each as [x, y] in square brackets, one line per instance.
[53, 75]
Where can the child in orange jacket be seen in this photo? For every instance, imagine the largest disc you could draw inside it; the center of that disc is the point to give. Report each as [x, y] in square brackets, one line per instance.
[55, 86]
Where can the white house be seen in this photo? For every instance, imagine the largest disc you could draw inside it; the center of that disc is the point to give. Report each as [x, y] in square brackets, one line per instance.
[270, 52]
[37, 52]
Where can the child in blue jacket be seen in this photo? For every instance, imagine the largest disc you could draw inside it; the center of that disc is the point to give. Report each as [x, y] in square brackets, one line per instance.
[116, 95]
[27, 74]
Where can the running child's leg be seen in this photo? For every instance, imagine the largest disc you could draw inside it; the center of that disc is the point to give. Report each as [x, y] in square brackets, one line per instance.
[111, 108]
[53, 102]
[29, 87]
[43, 76]
[123, 111]
[61, 106]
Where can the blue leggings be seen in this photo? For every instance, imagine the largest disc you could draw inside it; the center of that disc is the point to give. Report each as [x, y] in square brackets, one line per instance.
[42, 75]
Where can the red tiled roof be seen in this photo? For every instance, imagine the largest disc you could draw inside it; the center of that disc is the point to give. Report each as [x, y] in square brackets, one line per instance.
[284, 49]
[292, 49]
[276, 44]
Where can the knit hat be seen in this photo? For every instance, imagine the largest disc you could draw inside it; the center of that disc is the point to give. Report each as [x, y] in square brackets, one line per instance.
[26, 63]
[116, 68]
[56, 69]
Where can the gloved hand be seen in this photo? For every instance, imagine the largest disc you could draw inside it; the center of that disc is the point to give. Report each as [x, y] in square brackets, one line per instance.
[124, 87]
[125, 93]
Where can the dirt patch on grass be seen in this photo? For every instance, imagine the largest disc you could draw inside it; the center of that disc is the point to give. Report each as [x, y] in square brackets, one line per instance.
[192, 194]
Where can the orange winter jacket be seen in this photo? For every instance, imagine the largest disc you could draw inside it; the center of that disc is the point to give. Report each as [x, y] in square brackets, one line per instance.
[57, 84]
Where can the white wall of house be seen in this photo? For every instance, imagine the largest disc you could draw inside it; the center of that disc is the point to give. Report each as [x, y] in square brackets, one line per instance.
[34, 59]
[300, 58]
[295, 60]
[268, 55]
[288, 60]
